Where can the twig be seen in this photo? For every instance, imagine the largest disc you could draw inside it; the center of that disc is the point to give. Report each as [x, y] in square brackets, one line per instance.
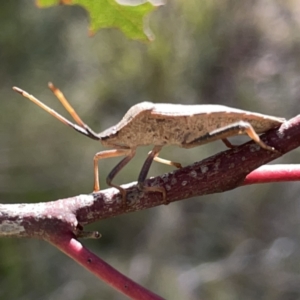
[73, 248]
[61, 222]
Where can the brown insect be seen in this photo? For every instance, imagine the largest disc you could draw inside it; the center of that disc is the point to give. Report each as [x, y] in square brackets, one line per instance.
[147, 123]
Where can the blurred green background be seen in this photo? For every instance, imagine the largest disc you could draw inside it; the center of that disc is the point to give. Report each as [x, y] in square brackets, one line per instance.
[242, 244]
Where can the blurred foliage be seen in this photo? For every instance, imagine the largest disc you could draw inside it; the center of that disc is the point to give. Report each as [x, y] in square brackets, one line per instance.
[243, 244]
[108, 13]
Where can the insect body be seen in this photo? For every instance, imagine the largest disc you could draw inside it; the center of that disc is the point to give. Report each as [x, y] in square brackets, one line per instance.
[146, 123]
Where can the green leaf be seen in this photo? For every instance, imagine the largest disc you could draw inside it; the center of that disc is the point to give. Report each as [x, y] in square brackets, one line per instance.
[110, 14]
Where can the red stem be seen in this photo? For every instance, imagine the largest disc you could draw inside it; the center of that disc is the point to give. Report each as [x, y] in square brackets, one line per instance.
[74, 249]
[273, 173]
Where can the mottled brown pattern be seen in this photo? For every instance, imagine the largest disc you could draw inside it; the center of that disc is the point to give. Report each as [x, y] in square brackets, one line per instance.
[161, 124]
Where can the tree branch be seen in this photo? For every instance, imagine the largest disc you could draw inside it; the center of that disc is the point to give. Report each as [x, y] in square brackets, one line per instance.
[61, 222]
[221, 172]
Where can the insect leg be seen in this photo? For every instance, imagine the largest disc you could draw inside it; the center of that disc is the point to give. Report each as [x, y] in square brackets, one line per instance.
[228, 143]
[230, 130]
[167, 162]
[128, 153]
[147, 164]
[144, 172]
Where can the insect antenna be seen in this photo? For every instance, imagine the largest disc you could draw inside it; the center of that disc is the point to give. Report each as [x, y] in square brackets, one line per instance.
[81, 127]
